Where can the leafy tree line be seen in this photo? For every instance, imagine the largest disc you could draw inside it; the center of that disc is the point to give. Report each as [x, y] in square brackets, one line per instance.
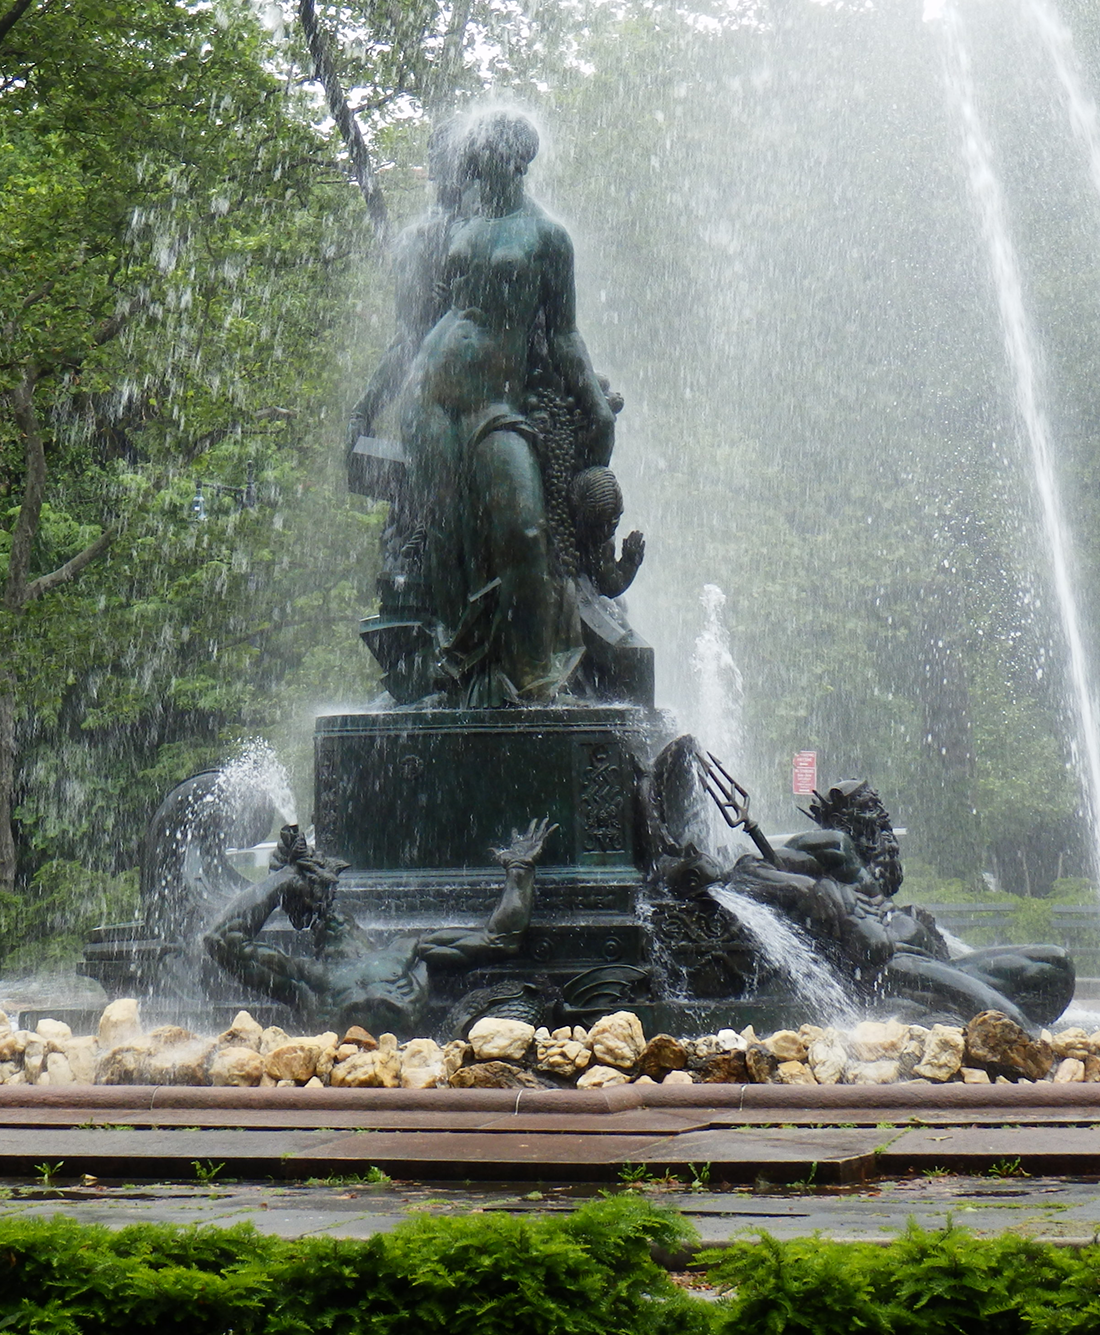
[183, 266]
[794, 293]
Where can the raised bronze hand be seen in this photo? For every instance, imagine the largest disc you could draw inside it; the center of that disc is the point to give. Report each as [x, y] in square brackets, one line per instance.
[526, 848]
[633, 549]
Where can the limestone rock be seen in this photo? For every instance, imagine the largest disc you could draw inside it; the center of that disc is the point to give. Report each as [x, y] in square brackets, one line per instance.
[170, 1036]
[786, 1046]
[1092, 1070]
[1073, 1043]
[81, 1054]
[326, 1060]
[974, 1075]
[186, 1063]
[11, 1046]
[882, 1072]
[273, 1037]
[5, 1023]
[599, 1077]
[762, 1064]
[58, 1068]
[125, 1064]
[376, 1069]
[827, 1057]
[53, 1033]
[872, 1041]
[663, 1053]
[120, 1023]
[810, 1033]
[244, 1032]
[421, 1064]
[795, 1073]
[492, 1075]
[943, 1053]
[999, 1044]
[359, 1037]
[455, 1054]
[293, 1060]
[729, 1040]
[678, 1078]
[617, 1040]
[1069, 1071]
[8, 1072]
[560, 1056]
[237, 1065]
[495, 1038]
[700, 1050]
[910, 1056]
[313, 1083]
[725, 1068]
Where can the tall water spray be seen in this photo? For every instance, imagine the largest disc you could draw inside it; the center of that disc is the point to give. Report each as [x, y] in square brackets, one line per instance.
[1080, 107]
[1020, 351]
[719, 690]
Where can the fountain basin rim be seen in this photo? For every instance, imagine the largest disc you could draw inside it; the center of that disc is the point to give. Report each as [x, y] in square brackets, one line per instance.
[910, 1097]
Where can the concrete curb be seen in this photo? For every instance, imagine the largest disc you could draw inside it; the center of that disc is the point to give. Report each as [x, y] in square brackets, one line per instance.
[916, 1098]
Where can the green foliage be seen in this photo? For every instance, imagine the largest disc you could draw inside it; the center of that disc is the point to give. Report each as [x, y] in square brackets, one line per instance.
[805, 1285]
[922, 1284]
[590, 1274]
[48, 923]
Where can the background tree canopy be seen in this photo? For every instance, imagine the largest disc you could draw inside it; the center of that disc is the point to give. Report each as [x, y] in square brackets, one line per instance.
[779, 265]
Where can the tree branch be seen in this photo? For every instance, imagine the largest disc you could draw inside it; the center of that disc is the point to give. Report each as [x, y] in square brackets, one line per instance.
[441, 97]
[345, 121]
[12, 17]
[70, 570]
[30, 510]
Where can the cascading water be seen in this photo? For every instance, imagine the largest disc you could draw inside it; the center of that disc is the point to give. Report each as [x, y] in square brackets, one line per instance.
[1020, 350]
[256, 771]
[783, 948]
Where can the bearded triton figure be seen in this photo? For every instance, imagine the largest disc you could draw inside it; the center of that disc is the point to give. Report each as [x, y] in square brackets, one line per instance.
[480, 597]
[837, 884]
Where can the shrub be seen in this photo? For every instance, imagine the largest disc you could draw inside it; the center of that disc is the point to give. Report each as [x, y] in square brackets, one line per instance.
[590, 1273]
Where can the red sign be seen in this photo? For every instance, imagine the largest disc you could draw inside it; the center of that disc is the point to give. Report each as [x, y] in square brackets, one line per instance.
[805, 774]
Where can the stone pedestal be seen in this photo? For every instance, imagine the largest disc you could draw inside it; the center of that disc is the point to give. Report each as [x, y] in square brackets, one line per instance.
[434, 789]
[417, 800]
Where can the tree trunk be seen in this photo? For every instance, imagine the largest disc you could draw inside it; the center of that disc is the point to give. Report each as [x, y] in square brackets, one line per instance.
[7, 785]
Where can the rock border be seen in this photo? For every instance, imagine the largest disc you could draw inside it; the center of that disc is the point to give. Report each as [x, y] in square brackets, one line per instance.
[509, 1055]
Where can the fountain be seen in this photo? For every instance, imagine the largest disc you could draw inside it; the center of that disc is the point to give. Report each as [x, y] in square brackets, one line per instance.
[512, 829]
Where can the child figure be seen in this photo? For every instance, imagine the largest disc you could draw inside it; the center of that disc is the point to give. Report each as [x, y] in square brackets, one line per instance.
[597, 504]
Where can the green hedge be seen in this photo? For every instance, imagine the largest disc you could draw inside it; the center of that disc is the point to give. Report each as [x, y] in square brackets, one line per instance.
[588, 1273]
[922, 1284]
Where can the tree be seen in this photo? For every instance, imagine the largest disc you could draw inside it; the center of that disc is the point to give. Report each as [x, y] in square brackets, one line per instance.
[175, 237]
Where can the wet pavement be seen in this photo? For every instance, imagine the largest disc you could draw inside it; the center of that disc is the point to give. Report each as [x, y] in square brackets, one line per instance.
[1052, 1209]
[843, 1162]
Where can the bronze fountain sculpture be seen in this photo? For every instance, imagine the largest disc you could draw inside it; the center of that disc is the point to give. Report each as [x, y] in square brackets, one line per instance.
[518, 695]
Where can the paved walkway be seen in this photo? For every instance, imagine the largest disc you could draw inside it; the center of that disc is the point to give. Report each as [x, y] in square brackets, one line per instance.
[846, 1161]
